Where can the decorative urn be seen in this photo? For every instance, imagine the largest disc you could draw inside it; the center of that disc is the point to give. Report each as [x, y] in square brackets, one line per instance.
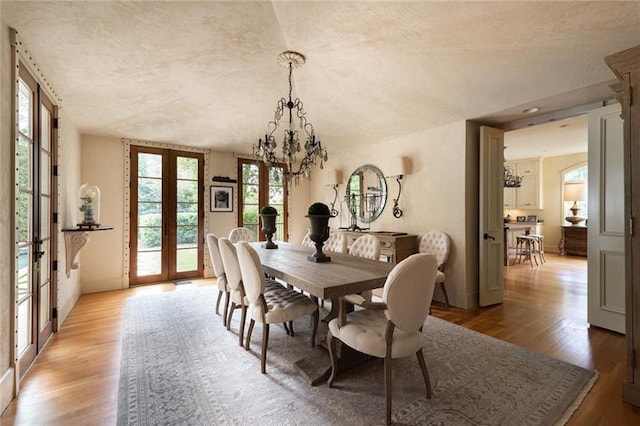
[268, 215]
[319, 215]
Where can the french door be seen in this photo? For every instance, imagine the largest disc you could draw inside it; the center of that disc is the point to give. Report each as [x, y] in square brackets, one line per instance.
[261, 185]
[167, 215]
[34, 239]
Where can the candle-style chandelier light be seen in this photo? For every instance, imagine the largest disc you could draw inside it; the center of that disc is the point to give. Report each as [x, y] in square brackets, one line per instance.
[291, 146]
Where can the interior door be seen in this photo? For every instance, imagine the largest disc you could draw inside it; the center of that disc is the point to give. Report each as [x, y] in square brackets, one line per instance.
[491, 250]
[35, 199]
[605, 231]
[167, 215]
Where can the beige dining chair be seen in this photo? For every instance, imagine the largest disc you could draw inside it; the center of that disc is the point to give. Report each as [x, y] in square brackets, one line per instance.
[218, 270]
[281, 306]
[336, 242]
[237, 293]
[241, 234]
[307, 241]
[367, 246]
[393, 328]
[438, 244]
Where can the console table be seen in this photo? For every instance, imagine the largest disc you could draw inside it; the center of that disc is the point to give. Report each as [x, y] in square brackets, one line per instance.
[394, 246]
[573, 240]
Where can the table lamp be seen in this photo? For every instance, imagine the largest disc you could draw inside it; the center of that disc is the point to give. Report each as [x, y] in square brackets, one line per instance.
[574, 191]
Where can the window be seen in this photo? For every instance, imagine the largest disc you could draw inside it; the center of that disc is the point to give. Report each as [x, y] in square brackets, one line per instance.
[260, 185]
[578, 174]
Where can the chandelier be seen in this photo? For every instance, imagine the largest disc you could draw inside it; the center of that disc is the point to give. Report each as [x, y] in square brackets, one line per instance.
[312, 151]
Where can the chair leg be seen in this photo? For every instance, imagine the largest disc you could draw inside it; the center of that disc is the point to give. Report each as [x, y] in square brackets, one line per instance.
[286, 328]
[218, 302]
[291, 328]
[387, 385]
[444, 291]
[233, 308]
[331, 343]
[265, 341]
[425, 373]
[314, 327]
[248, 341]
[243, 318]
[226, 308]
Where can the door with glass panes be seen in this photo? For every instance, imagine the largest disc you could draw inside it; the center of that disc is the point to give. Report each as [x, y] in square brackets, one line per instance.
[167, 212]
[35, 240]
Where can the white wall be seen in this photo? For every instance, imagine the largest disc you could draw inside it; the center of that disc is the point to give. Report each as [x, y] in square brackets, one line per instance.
[434, 194]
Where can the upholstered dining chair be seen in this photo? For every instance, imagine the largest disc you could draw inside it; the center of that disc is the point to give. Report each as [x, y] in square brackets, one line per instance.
[218, 270]
[336, 243]
[307, 241]
[236, 288]
[393, 328]
[282, 305]
[241, 234]
[438, 244]
[367, 246]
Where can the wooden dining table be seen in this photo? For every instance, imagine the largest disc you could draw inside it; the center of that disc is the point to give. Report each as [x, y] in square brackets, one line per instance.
[344, 274]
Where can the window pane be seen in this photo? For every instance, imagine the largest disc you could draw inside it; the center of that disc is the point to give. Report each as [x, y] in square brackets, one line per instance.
[149, 189]
[24, 217]
[188, 218]
[276, 195]
[25, 101]
[187, 236]
[45, 171]
[45, 267]
[149, 214]
[250, 174]
[45, 310]
[149, 263]
[187, 168]
[24, 325]
[150, 165]
[250, 215]
[187, 260]
[46, 127]
[187, 191]
[23, 162]
[149, 238]
[275, 176]
[23, 272]
[44, 217]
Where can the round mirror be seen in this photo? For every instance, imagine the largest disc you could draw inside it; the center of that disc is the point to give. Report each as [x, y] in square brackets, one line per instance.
[366, 193]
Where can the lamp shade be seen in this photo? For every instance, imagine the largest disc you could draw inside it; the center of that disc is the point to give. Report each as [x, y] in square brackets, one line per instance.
[399, 166]
[575, 191]
[334, 178]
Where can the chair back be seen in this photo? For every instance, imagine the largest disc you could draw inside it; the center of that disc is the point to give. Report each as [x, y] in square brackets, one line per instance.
[408, 291]
[436, 243]
[307, 241]
[252, 272]
[367, 246]
[214, 254]
[336, 243]
[231, 265]
[241, 234]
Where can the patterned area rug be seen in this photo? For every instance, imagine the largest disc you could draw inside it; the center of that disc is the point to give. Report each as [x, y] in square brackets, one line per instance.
[181, 366]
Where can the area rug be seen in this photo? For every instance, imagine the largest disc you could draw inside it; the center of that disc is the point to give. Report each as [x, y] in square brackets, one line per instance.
[180, 366]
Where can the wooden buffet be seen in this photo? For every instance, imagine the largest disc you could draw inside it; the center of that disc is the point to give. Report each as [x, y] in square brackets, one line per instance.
[573, 240]
[394, 246]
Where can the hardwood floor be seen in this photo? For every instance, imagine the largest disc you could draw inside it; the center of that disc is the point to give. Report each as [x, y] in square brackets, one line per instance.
[75, 379]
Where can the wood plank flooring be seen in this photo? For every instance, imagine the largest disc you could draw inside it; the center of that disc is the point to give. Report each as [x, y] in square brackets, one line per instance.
[75, 378]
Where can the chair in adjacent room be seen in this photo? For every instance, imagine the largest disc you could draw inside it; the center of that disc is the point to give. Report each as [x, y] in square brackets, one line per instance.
[241, 234]
[393, 328]
[281, 306]
[438, 244]
[218, 270]
[367, 246]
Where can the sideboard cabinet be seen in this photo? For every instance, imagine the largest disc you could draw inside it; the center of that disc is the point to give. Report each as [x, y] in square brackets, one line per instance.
[573, 240]
[394, 246]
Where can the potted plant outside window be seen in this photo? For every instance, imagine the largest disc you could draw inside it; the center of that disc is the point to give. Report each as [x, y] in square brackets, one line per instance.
[268, 215]
[319, 215]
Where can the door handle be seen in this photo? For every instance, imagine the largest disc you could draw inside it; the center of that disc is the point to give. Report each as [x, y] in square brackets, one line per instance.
[488, 237]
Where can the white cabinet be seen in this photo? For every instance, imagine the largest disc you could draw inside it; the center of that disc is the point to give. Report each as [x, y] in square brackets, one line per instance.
[529, 195]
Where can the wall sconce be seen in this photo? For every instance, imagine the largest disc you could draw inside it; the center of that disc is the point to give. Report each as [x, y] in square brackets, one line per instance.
[399, 168]
[333, 181]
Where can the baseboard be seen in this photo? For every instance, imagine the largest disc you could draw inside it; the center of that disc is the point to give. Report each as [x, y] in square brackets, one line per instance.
[65, 310]
[6, 388]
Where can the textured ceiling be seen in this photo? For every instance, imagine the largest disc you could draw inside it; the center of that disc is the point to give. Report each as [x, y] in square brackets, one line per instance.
[205, 73]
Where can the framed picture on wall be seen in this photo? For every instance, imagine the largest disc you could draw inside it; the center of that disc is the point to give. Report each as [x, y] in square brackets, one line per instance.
[221, 198]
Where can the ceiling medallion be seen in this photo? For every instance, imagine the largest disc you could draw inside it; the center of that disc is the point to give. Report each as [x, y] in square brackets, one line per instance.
[313, 150]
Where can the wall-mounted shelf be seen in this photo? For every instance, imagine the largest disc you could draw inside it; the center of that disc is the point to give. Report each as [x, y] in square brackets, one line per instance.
[74, 240]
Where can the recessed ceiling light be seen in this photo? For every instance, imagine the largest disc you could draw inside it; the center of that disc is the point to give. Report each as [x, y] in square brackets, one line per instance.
[530, 110]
